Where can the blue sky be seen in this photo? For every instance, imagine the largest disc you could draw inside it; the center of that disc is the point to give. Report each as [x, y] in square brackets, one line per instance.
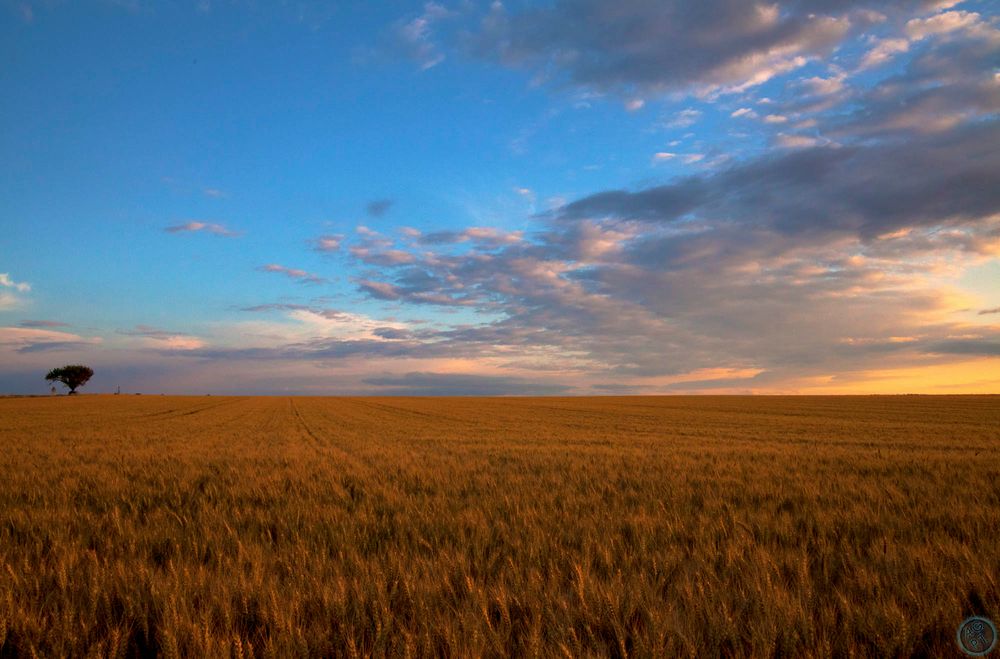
[572, 197]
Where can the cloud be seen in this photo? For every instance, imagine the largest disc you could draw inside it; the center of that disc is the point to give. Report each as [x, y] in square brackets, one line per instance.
[9, 298]
[683, 119]
[275, 306]
[317, 351]
[328, 243]
[943, 86]
[26, 340]
[883, 51]
[986, 347]
[735, 277]
[317, 334]
[795, 263]
[379, 207]
[618, 389]
[338, 336]
[646, 45]
[52, 346]
[374, 256]
[808, 254]
[314, 334]
[985, 312]
[379, 290]
[294, 273]
[691, 386]
[413, 285]
[943, 25]
[788, 141]
[460, 384]
[7, 282]
[946, 23]
[206, 227]
[42, 324]
[310, 322]
[392, 333]
[414, 38]
[526, 193]
[164, 339]
[818, 86]
[861, 191]
[484, 236]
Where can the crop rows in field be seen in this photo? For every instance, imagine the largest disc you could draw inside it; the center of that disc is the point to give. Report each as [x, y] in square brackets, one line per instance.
[674, 526]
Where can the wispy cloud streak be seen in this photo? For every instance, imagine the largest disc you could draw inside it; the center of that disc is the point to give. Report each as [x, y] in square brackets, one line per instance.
[203, 227]
[294, 273]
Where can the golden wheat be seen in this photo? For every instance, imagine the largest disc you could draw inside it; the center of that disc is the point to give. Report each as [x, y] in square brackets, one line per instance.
[184, 526]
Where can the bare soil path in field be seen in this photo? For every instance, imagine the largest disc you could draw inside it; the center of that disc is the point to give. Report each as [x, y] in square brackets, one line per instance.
[632, 526]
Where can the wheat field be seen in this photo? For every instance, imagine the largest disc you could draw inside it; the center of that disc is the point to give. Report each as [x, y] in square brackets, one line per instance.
[471, 527]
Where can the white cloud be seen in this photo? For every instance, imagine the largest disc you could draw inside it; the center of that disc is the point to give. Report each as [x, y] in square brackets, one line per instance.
[744, 112]
[757, 72]
[206, 227]
[775, 119]
[293, 273]
[160, 339]
[342, 324]
[7, 282]
[415, 38]
[824, 86]
[180, 343]
[949, 21]
[377, 256]
[883, 51]
[328, 243]
[8, 299]
[24, 339]
[526, 193]
[684, 118]
[483, 236]
[918, 29]
[796, 141]
[493, 235]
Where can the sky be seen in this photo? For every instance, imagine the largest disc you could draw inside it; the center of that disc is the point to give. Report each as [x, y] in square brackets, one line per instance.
[506, 198]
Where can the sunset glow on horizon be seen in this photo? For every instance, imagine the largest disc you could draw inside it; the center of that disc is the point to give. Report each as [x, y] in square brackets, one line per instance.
[516, 198]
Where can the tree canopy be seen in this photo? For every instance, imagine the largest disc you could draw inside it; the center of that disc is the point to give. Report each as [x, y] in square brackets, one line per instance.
[73, 376]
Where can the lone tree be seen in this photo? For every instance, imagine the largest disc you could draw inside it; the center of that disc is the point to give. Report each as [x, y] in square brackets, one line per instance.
[73, 376]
